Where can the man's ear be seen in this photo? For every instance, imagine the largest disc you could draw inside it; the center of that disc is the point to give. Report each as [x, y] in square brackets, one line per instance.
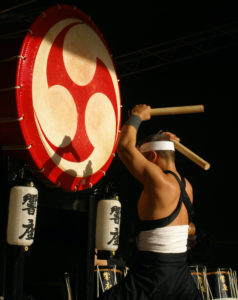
[153, 156]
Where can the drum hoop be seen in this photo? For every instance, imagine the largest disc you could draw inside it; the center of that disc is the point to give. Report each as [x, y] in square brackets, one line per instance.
[197, 273]
[107, 270]
[219, 272]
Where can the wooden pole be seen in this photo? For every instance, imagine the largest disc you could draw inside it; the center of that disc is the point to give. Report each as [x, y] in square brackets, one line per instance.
[190, 109]
[191, 155]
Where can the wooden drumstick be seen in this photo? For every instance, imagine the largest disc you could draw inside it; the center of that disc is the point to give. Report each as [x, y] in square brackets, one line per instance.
[191, 155]
[190, 109]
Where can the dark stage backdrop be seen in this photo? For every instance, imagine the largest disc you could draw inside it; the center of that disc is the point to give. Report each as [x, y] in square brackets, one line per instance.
[210, 79]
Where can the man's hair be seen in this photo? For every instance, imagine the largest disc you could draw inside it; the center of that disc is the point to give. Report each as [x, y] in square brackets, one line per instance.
[160, 136]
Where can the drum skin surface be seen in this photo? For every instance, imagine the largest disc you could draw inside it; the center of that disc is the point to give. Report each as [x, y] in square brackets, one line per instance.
[69, 98]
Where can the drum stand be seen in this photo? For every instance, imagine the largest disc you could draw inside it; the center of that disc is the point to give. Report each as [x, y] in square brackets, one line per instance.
[89, 292]
[3, 226]
[12, 258]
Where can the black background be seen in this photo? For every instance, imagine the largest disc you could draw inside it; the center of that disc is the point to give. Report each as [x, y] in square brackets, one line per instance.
[209, 79]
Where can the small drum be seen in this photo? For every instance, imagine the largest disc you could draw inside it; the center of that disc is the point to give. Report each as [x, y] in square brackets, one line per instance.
[222, 283]
[60, 98]
[199, 276]
[107, 277]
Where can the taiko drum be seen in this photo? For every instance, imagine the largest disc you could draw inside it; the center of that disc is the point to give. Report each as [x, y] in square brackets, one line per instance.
[60, 106]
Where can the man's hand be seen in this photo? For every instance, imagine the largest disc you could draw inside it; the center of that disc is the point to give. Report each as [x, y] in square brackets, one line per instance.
[171, 136]
[142, 110]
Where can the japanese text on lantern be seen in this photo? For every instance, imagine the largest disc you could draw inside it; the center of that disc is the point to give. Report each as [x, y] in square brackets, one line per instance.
[29, 205]
[115, 213]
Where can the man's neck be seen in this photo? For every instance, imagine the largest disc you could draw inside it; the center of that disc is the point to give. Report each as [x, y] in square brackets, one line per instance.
[167, 165]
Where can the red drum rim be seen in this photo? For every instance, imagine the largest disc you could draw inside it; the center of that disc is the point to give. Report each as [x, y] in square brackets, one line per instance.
[68, 161]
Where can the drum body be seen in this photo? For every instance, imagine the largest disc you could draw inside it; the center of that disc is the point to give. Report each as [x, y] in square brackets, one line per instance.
[222, 283]
[199, 276]
[60, 99]
[106, 277]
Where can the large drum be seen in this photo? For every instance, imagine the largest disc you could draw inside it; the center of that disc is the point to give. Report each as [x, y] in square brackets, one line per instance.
[60, 98]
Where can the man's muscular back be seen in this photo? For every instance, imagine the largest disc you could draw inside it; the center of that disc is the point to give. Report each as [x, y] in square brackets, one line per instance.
[159, 202]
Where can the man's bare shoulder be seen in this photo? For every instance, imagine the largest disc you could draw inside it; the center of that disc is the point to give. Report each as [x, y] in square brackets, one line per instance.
[189, 189]
[164, 186]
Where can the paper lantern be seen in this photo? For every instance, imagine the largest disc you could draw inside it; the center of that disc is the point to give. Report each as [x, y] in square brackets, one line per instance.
[108, 224]
[22, 215]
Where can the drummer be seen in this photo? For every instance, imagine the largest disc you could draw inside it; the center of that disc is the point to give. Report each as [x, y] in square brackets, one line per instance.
[159, 270]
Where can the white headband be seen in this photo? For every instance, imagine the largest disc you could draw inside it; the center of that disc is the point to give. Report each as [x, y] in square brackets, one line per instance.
[157, 145]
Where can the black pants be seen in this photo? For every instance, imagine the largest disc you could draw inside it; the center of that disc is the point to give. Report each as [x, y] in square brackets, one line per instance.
[156, 276]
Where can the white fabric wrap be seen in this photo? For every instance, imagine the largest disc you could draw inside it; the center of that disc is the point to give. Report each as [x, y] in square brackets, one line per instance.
[170, 239]
[108, 224]
[156, 146]
[22, 215]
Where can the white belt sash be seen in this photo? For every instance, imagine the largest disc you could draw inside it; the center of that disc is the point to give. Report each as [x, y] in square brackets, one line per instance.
[169, 239]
